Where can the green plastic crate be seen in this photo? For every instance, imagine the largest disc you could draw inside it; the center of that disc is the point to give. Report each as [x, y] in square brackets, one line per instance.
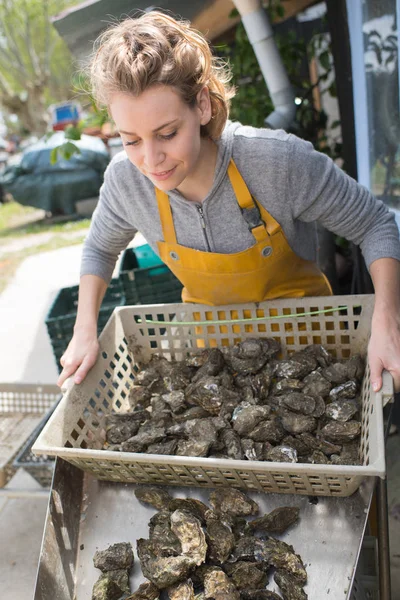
[146, 257]
[154, 285]
[61, 317]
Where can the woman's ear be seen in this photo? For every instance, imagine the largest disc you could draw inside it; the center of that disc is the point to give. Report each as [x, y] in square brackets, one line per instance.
[204, 105]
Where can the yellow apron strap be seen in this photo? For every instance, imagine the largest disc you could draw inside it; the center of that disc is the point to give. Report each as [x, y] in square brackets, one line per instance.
[167, 222]
[246, 200]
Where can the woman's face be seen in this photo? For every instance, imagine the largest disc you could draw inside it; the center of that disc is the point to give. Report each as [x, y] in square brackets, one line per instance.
[161, 133]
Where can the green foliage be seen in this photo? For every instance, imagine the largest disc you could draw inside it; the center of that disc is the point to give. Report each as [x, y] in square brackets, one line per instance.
[64, 151]
[252, 103]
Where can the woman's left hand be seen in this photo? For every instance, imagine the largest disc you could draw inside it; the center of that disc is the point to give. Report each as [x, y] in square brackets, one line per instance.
[384, 348]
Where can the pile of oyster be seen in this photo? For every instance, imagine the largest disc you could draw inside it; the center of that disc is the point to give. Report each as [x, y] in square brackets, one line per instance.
[241, 402]
[195, 552]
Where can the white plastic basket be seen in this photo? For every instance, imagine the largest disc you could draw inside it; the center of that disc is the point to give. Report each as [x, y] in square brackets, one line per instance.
[76, 431]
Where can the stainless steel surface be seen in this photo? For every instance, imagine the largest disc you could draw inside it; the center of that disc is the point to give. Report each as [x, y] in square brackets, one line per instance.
[383, 540]
[86, 515]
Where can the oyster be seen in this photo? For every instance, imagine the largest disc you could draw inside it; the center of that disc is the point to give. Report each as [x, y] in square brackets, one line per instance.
[213, 364]
[188, 530]
[220, 540]
[259, 383]
[281, 454]
[268, 431]
[290, 588]
[296, 367]
[233, 502]
[277, 521]
[287, 385]
[245, 417]
[232, 443]
[193, 447]
[168, 447]
[139, 396]
[247, 575]
[247, 547]
[315, 384]
[259, 595]
[252, 450]
[341, 411]
[146, 591]
[336, 373]
[148, 434]
[334, 431]
[162, 571]
[318, 352]
[194, 412]
[250, 355]
[165, 542]
[298, 402]
[157, 497]
[281, 556]
[209, 394]
[355, 366]
[348, 389]
[350, 455]
[106, 588]
[181, 591]
[116, 556]
[120, 427]
[319, 458]
[218, 586]
[197, 508]
[296, 423]
[175, 400]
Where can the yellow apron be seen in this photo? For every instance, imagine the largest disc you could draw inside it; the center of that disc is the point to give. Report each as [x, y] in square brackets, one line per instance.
[269, 269]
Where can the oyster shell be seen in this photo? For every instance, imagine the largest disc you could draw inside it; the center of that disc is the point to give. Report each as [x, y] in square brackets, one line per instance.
[193, 448]
[298, 402]
[157, 497]
[252, 450]
[181, 591]
[164, 541]
[281, 556]
[319, 458]
[334, 431]
[218, 586]
[315, 384]
[318, 352]
[122, 426]
[213, 364]
[245, 417]
[233, 502]
[281, 454]
[196, 507]
[268, 431]
[106, 588]
[247, 575]
[167, 448]
[194, 412]
[296, 367]
[148, 434]
[290, 588]
[259, 595]
[287, 385]
[175, 400]
[277, 521]
[116, 556]
[139, 396]
[209, 394]
[341, 411]
[250, 355]
[232, 444]
[191, 535]
[296, 423]
[220, 540]
[146, 591]
[162, 571]
[258, 383]
[336, 373]
[348, 389]
[247, 547]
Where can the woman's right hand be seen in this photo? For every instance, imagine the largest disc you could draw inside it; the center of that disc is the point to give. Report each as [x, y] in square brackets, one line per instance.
[79, 357]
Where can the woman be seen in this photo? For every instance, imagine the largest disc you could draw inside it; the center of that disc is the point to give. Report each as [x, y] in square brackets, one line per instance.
[230, 209]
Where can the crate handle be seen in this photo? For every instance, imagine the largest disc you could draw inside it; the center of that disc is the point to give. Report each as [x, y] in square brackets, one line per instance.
[387, 391]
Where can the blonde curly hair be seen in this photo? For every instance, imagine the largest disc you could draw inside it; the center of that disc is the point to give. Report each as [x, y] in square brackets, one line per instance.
[155, 49]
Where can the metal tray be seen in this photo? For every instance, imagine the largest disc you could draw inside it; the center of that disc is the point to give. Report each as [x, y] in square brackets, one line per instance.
[22, 407]
[85, 515]
[76, 431]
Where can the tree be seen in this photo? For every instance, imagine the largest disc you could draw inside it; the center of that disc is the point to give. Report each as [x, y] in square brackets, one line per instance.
[35, 64]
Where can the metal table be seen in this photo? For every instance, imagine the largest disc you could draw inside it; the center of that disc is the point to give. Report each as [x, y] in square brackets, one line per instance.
[86, 515]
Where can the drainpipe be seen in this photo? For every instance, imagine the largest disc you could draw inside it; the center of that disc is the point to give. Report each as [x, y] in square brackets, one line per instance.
[259, 31]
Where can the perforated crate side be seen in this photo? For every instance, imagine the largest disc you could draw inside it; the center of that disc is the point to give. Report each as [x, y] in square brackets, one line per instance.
[152, 285]
[77, 430]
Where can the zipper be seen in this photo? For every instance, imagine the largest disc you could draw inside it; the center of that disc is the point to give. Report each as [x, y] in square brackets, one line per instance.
[203, 224]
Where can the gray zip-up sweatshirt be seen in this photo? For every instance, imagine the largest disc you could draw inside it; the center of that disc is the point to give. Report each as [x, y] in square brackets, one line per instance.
[296, 184]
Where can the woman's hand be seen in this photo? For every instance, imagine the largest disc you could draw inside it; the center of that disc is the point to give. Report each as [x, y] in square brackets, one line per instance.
[80, 356]
[384, 348]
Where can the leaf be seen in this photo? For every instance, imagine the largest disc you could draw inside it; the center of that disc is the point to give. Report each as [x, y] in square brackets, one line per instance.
[325, 60]
[54, 155]
[335, 124]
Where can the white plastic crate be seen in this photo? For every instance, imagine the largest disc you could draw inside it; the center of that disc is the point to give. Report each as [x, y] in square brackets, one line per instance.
[22, 407]
[76, 431]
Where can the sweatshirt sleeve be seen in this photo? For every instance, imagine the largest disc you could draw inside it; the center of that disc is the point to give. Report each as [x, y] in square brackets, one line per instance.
[318, 190]
[109, 233]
